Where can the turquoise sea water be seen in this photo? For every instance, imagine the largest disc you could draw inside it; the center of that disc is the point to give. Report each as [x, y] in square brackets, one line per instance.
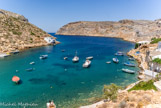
[65, 82]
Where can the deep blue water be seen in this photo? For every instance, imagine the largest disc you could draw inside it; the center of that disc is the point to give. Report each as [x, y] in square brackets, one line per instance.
[65, 82]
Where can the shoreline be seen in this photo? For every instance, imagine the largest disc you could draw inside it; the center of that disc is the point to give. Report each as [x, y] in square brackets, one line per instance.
[57, 42]
[6, 54]
[142, 64]
[82, 83]
[97, 36]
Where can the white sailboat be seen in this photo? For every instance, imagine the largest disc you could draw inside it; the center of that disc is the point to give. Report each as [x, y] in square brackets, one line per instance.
[76, 58]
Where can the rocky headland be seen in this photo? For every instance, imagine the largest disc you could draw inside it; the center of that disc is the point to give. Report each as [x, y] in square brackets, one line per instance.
[16, 33]
[130, 30]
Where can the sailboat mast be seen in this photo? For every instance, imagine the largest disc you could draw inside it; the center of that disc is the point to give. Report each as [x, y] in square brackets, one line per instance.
[76, 53]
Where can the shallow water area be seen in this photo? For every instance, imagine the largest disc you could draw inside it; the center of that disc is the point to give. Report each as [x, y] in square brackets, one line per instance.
[67, 83]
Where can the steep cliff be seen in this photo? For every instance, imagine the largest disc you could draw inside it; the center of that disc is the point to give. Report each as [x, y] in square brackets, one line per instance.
[131, 30]
[16, 33]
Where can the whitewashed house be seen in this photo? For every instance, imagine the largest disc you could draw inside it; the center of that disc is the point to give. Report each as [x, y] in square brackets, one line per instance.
[157, 56]
[159, 47]
[49, 40]
[143, 42]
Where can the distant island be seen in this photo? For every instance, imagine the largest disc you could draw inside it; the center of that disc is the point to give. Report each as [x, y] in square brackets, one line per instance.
[16, 33]
[130, 30]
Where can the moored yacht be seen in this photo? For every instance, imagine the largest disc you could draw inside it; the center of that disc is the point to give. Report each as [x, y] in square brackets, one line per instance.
[87, 63]
[30, 69]
[89, 58]
[115, 60]
[76, 58]
[132, 59]
[32, 63]
[119, 53]
[65, 58]
[43, 57]
[108, 62]
[128, 71]
[129, 64]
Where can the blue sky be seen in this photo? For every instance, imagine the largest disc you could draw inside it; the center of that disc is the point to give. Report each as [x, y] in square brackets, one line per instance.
[50, 15]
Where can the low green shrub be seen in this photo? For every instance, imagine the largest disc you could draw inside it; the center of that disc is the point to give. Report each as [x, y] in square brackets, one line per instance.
[32, 33]
[157, 60]
[155, 40]
[144, 86]
[16, 32]
[136, 45]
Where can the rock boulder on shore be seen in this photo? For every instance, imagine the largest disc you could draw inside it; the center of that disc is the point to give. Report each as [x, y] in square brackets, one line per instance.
[130, 30]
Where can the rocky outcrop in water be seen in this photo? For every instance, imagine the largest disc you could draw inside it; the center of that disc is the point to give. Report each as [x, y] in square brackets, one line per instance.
[130, 30]
[16, 33]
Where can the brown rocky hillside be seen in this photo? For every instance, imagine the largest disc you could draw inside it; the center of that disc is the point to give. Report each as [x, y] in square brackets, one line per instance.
[131, 30]
[135, 99]
[16, 33]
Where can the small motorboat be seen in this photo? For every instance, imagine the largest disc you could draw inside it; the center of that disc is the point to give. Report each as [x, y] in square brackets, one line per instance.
[65, 58]
[32, 63]
[89, 58]
[87, 63]
[15, 52]
[132, 59]
[29, 69]
[119, 53]
[76, 58]
[115, 60]
[129, 64]
[43, 57]
[128, 71]
[108, 62]
[2, 55]
[16, 79]
[63, 50]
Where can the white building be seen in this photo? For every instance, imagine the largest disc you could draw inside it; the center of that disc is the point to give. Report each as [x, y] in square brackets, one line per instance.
[49, 40]
[157, 56]
[143, 42]
[159, 47]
